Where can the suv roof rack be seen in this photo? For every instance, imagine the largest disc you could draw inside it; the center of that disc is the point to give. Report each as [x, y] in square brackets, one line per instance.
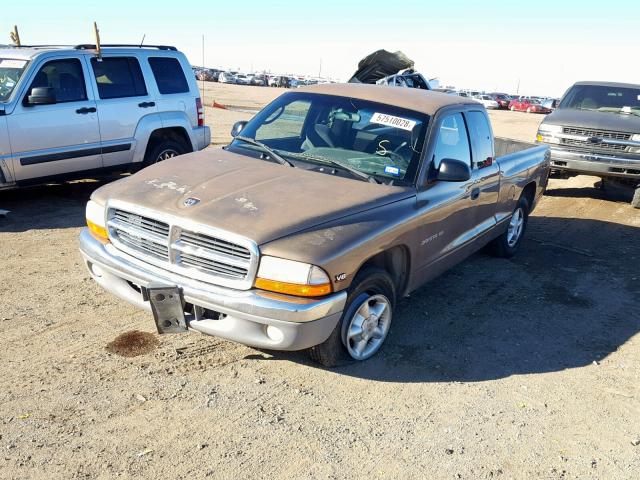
[89, 46]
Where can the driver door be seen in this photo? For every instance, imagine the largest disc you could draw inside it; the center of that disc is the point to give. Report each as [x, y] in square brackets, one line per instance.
[59, 137]
[446, 209]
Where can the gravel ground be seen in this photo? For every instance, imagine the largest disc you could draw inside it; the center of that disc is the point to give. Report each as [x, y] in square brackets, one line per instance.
[521, 368]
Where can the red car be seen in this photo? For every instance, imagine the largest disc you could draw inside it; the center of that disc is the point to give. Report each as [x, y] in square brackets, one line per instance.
[527, 105]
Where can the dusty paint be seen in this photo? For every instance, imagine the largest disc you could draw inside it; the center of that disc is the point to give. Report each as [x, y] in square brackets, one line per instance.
[156, 183]
[246, 203]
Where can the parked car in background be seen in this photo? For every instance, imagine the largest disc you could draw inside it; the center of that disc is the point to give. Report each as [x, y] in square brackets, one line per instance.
[487, 101]
[502, 98]
[242, 79]
[259, 80]
[226, 77]
[279, 81]
[65, 112]
[596, 131]
[206, 75]
[288, 264]
[528, 105]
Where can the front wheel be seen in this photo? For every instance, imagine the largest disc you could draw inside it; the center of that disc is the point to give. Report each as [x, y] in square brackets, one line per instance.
[507, 244]
[365, 322]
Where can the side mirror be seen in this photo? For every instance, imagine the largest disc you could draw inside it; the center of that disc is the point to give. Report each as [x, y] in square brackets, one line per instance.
[41, 96]
[237, 128]
[452, 170]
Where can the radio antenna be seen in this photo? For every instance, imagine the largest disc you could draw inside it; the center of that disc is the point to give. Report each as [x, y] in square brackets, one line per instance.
[142, 41]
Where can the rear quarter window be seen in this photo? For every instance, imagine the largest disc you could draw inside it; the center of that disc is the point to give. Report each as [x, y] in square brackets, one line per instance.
[169, 75]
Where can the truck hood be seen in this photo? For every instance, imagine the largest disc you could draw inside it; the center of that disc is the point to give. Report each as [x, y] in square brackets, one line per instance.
[619, 122]
[258, 199]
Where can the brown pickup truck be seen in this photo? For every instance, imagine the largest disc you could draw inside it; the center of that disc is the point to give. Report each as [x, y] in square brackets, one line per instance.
[329, 205]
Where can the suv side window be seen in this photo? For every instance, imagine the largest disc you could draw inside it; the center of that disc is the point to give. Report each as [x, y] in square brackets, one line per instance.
[65, 77]
[169, 75]
[453, 141]
[118, 77]
[481, 141]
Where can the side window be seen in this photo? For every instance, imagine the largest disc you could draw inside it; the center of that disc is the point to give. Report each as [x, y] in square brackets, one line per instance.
[169, 75]
[118, 77]
[65, 77]
[481, 141]
[284, 123]
[453, 141]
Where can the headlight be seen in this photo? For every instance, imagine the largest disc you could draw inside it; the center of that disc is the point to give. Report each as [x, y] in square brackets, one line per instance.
[95, 221]
[548, 128]
[636, 137]
[292, 278]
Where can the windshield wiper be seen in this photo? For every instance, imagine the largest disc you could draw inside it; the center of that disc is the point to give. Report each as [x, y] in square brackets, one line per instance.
[348, 168]
[266, 149]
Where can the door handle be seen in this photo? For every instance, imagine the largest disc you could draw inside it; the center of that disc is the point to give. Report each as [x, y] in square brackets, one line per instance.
[85, 110]
[475, 193]
[147, 104]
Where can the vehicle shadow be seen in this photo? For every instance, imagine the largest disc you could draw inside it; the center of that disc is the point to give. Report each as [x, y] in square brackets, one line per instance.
[59, 205]
[611, 192]
[558, 304]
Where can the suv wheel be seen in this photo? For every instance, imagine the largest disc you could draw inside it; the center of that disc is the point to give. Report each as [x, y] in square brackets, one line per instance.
[163, 151]
[365, 322]
[635, 202]
[507, 244]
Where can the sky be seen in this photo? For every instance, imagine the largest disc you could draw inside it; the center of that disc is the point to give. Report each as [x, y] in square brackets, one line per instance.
[529, 47]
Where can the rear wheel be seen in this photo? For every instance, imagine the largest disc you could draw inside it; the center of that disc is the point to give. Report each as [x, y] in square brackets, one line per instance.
[635, 202]
[507, 244]
[528, 109]
[365, 322]
[164, 150]
[512, 108]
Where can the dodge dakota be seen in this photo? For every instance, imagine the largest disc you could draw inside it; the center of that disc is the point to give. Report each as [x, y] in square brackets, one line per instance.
[326, 207]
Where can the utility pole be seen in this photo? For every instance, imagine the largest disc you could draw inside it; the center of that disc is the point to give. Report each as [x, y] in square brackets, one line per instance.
[518, 88]
[320, 70]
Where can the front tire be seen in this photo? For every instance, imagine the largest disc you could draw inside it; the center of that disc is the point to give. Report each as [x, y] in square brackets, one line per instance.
[365, 323]
[507, 244]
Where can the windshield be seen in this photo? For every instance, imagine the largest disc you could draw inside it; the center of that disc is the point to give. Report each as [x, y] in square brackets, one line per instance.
[10, 72]
[315, 131]
[602, 98]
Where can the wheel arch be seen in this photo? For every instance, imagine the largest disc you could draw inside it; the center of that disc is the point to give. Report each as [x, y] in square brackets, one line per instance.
[396, 262]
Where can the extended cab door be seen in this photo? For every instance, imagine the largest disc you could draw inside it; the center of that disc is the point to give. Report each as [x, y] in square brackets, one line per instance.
[123, 100]
[62, 136]
[446, 211]
[485, 177]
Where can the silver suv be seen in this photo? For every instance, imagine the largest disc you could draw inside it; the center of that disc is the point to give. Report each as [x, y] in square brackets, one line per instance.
[69, 112]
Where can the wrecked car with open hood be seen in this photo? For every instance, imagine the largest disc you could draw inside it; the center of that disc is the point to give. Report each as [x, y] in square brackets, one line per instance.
[328, 206]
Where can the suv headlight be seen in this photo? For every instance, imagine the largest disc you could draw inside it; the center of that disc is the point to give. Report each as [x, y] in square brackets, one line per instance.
[549, 128]
[95, 221]
[636, 137]
[546, 133]
[292, 278]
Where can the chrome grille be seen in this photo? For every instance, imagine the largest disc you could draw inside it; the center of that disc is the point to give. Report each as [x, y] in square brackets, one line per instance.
[584, 144]
[219, 258]
[597, 133]
[143, 234]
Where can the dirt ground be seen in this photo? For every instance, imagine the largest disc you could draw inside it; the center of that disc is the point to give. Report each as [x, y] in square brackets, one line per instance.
[522, 368]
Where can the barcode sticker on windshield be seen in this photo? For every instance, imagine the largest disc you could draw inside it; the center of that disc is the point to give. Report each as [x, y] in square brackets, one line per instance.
[7, 63]
[397, 122]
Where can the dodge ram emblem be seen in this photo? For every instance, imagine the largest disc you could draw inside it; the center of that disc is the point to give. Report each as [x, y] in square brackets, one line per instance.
[191, 201]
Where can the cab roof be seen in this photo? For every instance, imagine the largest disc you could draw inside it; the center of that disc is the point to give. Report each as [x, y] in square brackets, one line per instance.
[423, 101]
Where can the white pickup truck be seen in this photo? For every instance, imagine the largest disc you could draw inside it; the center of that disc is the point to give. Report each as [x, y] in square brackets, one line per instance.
[71, 112]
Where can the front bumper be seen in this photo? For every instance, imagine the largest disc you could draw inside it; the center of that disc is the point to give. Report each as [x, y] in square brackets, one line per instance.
[594, 164]
[251, 317]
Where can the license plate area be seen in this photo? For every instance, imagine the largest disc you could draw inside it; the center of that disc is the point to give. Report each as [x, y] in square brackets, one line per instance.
[167, 306]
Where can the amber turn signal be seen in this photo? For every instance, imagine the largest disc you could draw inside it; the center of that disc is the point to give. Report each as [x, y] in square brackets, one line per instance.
[293, 288]
[98, 232]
